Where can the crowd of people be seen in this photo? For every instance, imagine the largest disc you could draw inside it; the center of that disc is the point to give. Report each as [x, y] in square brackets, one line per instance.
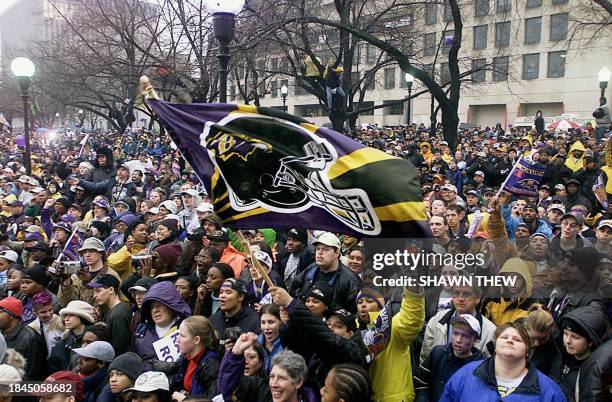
[110, 247]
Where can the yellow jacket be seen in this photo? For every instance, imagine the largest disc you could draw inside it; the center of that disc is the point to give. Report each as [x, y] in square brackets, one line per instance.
[121, 260]
[570, 162]
[510, 310]
[391, 370]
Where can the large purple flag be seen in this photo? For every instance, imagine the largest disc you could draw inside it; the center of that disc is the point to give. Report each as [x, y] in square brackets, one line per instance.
[265, 168]
[524, 178]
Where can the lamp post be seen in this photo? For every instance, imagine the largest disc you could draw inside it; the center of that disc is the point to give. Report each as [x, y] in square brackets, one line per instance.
[81, 115]
[224, 23]
[23, 69]
[284, 93]
[409, 80]
[603, 77]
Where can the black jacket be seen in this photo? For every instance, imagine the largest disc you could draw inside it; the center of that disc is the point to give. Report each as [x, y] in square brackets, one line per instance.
[307, 257]
[345, 284]
[246, 319]
[26, 342]
[432, 375]
[110, 188]
[101, 173]
[595, 375]
[204, 381]
[547, 358]
[61, 354]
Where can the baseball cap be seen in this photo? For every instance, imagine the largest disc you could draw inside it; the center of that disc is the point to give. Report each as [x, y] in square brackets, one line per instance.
[328, 239]
[191, 192]
[9, 255]
[150, 381]
[16, 203]
[99, 350]
[321, 291]
[488, 190]
[263, 257]
[449, 187]
[347, 318]
[481, 154]
[143, 284]
[559, 207]
[153, 211]
[235, 284]
[12, 306]
[479, 173]
[68, 377]
[576, 215]
[559, 187]
[473, 192]
[219, 235]
[104, 281]
[24, 179]
[205, 207]
[605, 223]
[470, 320]
[298, 234]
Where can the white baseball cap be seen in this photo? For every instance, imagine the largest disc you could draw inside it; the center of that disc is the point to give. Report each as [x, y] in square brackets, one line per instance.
[150, 381]
[205, 207]
[470, 320]
[328, 239]
[9, 255]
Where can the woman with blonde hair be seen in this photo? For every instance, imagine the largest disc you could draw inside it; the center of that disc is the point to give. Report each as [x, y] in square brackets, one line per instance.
[199, 363]
[545, 353]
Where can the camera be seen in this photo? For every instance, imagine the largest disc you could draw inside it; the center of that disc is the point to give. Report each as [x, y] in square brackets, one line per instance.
[137, 258]
[66, 268]
[232, 334]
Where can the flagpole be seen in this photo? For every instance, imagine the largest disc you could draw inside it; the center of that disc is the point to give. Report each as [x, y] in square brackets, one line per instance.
[64, 249]
[501, 188]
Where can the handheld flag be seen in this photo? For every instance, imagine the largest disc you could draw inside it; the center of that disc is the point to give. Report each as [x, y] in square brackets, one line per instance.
[524, 178]
[73, 244]
[263, 168]
[599, 190]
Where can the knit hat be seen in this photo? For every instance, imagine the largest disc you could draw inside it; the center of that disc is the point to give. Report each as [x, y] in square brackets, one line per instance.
[128, 363]
[12, 306]
[298, 234]
[9, 374]
[371, 294]
[68, 377]
[38, 273]
[586, 259]
[169, 253]
[321, 291]
[169, 205]
[171, 224]
[80, 309]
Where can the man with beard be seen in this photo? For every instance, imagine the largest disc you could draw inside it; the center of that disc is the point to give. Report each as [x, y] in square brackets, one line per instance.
[297, 255]
[529, 216]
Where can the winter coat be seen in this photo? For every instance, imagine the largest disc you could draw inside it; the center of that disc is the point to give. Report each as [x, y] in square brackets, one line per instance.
[256, 293]
[234, 259]
[26, 342]
[246, 319]
[236, 387]
[62, 357]
[77, 289]
[512, 223]
[476, 382]
[595, 375]
[436, 332]
[503, 310]
[570, 163]
[166, 294]
[391, 370]
[345, 285]
[576, 199]
[435, 371]
[111, 188]
[204, 380]
[97, 388]
[306, 258]
[56, 326]
[101, 173]
[121, 260]
[547, 358]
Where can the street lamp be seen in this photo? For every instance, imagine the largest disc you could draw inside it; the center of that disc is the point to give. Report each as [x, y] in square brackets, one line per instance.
[224, 23]
[409, 78]
[604, 77]
[81, 117]
[23, 69]
[284, 93]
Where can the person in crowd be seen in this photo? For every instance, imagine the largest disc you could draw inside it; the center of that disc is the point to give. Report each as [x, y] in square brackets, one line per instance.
[219, 240]
[465, 301]
[73, 392]
[545, 355]
[296, 257]
[76, 316]
[233, 311]
[8, 260]
[508, 375]
[34, 281]
[116, 314]
[328, 268]
[207, 302]
[513, 302]
[445, 360]
[319, 299]
[187, 288]
[257, 288]
[48, 325]
[199, 363]
[150, 386]
[137, 239]
[346, 382]
[270, 334]
[92, 364]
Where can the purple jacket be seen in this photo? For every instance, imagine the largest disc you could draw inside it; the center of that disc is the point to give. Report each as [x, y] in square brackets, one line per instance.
[145, 334]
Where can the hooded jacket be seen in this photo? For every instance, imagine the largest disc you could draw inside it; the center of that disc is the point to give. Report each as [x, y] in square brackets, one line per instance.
[571, 163]
[246, 319]
[188, 217]
[507, 310]
[26, 342]
[594, 377]
[145, 334]
[427, 154]
[101, 173]
[476, 381]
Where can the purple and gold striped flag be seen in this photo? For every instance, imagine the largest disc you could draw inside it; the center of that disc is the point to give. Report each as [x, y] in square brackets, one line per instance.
[266, 168]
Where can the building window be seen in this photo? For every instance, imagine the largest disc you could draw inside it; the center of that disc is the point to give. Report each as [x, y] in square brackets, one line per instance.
[556, 64]
[502, 34]
[559, 1]
[274, 64]
[534, 3]
[558, 26]
[274, 89]
[533, 30]
[480, 37]
[389, 78]
[284, 66]
[371, 54]
[429, 44]
[448, 13]
[479, 74]
[503, 6]
[481, 8]
[500, 68]
[397, 109]
[431, 13]
[363, 106]
[444, 73]
[531, 66]
[403, 83]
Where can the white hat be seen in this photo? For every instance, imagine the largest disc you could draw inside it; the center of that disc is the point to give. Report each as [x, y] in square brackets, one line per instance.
[9, 374]
[86, 165]
[449, 187]
[79, 308]
[93, 243]
[99, 350]
[605, 222]
[263, 257]
[328, 239]
[470, 320]
[479, 173]
[24, 179]
[36, 190]
[169, 205]
[153, 211]
[192, 192]
[33, 182]
[9, 255]
[205, 207]
[150, 381]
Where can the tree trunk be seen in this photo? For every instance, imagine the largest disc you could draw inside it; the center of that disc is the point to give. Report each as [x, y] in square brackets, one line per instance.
[450, 122]
[337, 118]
